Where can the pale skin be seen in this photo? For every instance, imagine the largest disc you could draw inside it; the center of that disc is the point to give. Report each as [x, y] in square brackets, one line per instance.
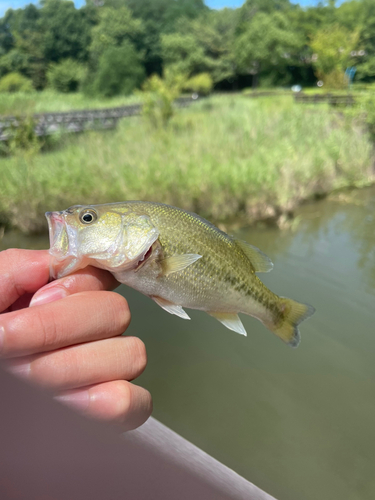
[67, 336]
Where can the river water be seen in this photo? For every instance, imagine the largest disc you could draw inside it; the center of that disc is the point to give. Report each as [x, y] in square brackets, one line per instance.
[299, 423]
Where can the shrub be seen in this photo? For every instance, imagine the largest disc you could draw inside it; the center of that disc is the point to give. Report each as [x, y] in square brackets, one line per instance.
[120, 71]
[201, 83]
[15, 82]
[334, 80]
[66, 76]
[159, 95]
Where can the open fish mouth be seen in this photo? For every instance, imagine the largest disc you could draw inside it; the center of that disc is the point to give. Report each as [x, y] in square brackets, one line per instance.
[58, 237]
[61, 247]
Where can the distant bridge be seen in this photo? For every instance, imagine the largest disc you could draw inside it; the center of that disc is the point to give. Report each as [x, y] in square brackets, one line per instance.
[76, 121]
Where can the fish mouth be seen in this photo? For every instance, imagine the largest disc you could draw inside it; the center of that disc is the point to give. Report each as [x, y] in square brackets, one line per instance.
[62, 254]
[57, 234]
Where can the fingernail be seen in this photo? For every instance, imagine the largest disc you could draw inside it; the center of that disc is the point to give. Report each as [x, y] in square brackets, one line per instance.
[76, 399]
[21, 369]
[48, 295]
[2, 334]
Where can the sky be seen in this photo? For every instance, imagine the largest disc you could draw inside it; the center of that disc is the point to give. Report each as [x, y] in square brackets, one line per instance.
[213, 4]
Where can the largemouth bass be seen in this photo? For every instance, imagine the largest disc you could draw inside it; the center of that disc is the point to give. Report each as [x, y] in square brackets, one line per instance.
[175, 257]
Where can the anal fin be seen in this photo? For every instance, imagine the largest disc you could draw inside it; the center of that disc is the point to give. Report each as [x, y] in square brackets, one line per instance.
[170, 307]
[230, 320]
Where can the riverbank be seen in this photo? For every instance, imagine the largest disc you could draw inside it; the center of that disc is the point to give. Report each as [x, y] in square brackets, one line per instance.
[225, 157]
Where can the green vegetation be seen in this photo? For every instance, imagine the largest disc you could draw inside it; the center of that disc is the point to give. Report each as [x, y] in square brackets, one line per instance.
[158, 97]
[119, 71]
[66, 76]
[264, 42]
[201, 83]
[222, 157]
[332, 47]
[15, 82]
[52, 101]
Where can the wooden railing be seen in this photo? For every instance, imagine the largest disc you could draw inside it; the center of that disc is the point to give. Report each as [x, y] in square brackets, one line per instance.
[76, 121]
[332, 99]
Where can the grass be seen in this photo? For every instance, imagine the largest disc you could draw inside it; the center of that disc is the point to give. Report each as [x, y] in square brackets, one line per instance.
[51, 101]
[224, 157]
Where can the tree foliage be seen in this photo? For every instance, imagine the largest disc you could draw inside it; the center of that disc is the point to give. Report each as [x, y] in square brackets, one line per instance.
[66, 76]
[159, 96]
[265, 41]
[120, 71]
[15, 82]
[332, 49]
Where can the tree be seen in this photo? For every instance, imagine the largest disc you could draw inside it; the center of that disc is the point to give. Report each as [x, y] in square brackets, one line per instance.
[66, 76]
[160, 17]
[23, 52]
[120, 71]
[66, 31]
[202, 45]
[266, 45]
[332, 47]
[115, 27]
[366, 63]
[34, 37]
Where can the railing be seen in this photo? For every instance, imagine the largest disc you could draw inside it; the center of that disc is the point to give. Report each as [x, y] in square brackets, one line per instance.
[76, 121]
[332, 99]
[49, 451]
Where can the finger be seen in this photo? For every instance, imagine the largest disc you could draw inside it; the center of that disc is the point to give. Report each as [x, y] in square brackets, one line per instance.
[21, 271]
[85, 364]
[90, 278]
[21, 303]
[117, 401]
[81, 317]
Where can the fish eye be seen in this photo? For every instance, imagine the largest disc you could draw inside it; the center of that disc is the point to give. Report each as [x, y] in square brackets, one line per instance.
[88, 216]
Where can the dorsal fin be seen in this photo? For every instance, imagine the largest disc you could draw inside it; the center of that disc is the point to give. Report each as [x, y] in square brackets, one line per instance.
[261, 263]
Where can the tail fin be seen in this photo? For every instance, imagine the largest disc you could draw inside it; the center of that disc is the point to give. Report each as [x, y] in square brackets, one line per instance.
[294, 314]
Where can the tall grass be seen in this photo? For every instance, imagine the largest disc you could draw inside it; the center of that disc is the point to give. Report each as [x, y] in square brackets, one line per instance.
[224, 157]
[50, 101]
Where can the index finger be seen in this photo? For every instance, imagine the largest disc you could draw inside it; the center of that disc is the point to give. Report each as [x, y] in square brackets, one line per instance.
[21, 271]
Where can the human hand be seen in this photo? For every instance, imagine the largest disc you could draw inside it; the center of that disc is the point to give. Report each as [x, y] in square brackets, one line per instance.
[68, 338]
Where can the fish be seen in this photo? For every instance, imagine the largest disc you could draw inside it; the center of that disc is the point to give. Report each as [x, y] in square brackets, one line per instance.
[175, 257]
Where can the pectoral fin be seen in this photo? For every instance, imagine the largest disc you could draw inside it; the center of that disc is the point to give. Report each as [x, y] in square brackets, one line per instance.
[170, 307]
[259, 260]
[230, 320]
[178, 263]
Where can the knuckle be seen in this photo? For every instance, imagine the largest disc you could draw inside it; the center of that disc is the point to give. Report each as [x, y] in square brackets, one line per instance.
[138, 353]
[134, 405]
[120, 312]
[148, 403]
[47, 329]
[43, 331]
[10, 253]
[123, 400]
